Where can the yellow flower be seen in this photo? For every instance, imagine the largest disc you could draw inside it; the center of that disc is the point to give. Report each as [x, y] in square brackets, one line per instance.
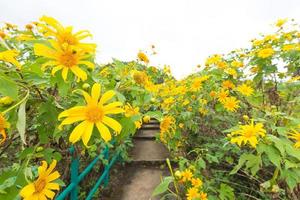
[138, 124]
[94, 113]
[181, 125]
[289, 47]
[231, 72]
[212, 94]
[186, 175]
[2, 34]
[186, 102]
[143, 57]
[203, 196]
[29, 27]
[222, 65]
[167, 103]
[248, 133]
[131, 111]
[231, 104]
[265, 53]
[41, 189]
[254, 69]
[167, 123]
[178, 174]
[293, 79]
[281, 22]
[236, 64]
[6, 100]
[257, 42]
[140, 77]
[10, 57]
[203, 111]
[196, 182]
[50, 27]
[3, 125]
[192, 193]
[167, 69]
[223, 94]
[227, 84]
[146, 119]
[214, 59]
[296, 136]
[244, 89]
[64, 59]
[24, 37]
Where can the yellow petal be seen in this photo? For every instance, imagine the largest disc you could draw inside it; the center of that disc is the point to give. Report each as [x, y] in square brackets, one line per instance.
[42, 50]
[106, 97]
[79, 73]
[87, 63]
[52, 186]
[51, 167]
[96, 90]
[73, 112]
[28, 190]
[104, 132]
[112, 105]
[87, 133]
[53, 176]
[50, 194]
[71, 120]
[114, 111]
[87, 97]
[55, 69]
[43, 168]
[116, 126]
[77, 132]
[65, 73]
[52, 22]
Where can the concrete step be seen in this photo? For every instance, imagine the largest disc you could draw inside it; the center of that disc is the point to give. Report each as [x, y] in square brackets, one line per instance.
[147, 133]
[150, 126]
[153, 121]
[139, 183]
[148, 151]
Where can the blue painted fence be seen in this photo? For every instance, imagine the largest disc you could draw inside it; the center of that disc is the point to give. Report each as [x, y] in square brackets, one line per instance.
[72, 189]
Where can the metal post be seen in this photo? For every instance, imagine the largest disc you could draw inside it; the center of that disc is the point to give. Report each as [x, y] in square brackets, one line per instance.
[106, 157]
[74, 173]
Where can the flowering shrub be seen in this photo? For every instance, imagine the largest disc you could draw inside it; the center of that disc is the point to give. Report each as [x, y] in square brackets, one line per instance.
[233, 127]
[237, 119]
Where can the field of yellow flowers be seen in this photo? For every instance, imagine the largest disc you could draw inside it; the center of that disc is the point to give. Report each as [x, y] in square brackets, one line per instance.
[233, 127]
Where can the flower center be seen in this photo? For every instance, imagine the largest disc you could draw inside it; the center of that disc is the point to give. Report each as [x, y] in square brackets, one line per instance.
[2, 123]
[249, 133]
[68, 58]
[165, 124]
[68, 38]
[40, 185]
[94, 114]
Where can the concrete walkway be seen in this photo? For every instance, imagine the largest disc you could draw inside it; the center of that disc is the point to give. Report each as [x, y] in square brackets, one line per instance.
[147, 168]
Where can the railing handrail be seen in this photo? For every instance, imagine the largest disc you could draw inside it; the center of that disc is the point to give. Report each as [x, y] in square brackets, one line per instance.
[76, 179]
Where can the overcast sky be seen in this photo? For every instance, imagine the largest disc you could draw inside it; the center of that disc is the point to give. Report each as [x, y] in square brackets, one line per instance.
[184, 32]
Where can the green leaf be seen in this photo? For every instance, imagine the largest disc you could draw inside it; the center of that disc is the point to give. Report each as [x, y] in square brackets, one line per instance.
[252, 162]
[272, 153]
[8, 87]
[226, 192]
[8, 183]
[201, 163]
[278, 144]
[155, 114]
[21, 123]
[163, 186]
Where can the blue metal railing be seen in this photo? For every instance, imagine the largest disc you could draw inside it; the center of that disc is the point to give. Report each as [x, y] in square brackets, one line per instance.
[76, 178]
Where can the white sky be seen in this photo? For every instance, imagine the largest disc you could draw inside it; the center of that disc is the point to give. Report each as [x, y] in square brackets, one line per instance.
[184, 32]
